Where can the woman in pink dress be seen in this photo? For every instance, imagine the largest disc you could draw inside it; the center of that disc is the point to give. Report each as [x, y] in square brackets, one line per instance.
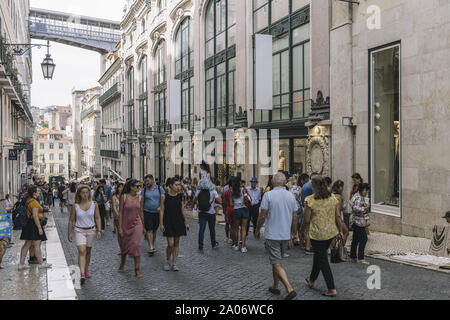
[131, 224]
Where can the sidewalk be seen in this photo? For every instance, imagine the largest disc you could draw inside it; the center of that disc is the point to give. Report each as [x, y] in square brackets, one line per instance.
[390, 247]
[35, 284]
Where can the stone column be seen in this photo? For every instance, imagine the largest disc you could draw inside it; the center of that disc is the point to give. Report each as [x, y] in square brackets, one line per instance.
[341, 79]
[320, 17]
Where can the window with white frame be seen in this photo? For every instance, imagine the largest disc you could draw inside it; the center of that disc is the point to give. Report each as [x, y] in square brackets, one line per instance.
[385, 111]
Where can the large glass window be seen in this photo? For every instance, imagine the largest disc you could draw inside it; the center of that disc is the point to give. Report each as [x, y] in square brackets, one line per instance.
[159, 88]
[143, 98]
[385, 130]
[160, 166]
[220, 64]
[184, 71]
[291, 58]
[130, 80]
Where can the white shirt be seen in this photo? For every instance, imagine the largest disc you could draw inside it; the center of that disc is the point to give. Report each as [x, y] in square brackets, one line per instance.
[85, 219]
[280, 205]
[255, 194]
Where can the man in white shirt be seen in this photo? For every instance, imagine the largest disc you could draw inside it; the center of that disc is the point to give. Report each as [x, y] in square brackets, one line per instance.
[207, 216]
[255, 194]
[279, 212]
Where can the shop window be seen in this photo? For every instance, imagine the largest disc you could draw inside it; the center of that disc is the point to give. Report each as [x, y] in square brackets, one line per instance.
[385, 130]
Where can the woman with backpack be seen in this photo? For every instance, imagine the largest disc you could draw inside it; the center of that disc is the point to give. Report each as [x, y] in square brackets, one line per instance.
[239, 201]
[33, 233]
[360, 221]
[173, 222]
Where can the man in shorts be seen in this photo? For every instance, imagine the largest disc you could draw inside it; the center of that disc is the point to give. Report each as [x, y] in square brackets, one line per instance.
[279, 212]
[152, 196]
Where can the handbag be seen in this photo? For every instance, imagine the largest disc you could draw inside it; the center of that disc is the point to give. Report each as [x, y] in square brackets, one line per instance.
[362, 221]
[107, 206]
[339, 252]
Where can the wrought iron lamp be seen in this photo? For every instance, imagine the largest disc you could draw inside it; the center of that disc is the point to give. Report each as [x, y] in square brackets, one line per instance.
[48, 66]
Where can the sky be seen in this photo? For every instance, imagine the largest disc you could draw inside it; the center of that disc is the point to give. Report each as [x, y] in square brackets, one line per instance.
[75, 68]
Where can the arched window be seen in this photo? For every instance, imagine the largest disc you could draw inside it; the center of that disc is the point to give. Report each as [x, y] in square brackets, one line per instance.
[130, 82]
[220, 64]
[184, 71]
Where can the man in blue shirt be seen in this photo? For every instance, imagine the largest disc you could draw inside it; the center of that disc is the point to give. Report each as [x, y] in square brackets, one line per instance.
[255, 195]
[279, 212]
[152, 196]
[108, 195]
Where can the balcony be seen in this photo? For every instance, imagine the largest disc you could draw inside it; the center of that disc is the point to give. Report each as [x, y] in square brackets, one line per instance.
[110, 154]
[13, 86]
[86, 112]
[109, 95]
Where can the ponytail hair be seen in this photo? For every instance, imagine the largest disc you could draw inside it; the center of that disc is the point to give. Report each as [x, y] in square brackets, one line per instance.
[320, 188]
[336, 186]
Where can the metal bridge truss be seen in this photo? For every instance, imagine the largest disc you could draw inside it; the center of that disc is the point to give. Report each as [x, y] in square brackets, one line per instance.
[84, 32]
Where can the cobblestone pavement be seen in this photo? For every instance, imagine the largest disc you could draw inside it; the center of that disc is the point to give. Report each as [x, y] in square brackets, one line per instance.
[227, 275]
[29, 284]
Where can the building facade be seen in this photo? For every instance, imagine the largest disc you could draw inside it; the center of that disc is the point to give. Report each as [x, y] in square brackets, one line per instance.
[112, 116]
[90, 133]
[356, 88]
[53, 154]
[16, 130]
[388, 72]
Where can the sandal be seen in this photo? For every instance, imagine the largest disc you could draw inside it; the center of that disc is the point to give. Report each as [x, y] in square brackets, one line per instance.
[329, 295]
[309, 284]
[276, 292]
[138, 274]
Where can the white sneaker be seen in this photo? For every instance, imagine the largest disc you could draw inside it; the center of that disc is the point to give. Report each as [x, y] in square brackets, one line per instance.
[23, 267]
[44, 265]
[235, 248]
[244, 250]
[229, 241]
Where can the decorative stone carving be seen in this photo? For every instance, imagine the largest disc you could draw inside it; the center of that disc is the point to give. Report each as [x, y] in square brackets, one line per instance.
[318, 155]
[180, 13]
[156, 36]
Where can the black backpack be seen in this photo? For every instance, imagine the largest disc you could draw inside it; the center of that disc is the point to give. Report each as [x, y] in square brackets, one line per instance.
[20, 218]
[203, 201]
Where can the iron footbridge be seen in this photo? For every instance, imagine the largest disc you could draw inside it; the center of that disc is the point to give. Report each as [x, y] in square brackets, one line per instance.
[79, 31]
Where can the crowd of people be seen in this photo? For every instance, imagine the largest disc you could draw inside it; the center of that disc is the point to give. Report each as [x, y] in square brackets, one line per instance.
[305, 211]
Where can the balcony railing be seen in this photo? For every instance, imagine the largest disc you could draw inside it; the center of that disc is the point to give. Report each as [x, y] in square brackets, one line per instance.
[86, 112]
[106, 97]
[110, 154]
[7, 60]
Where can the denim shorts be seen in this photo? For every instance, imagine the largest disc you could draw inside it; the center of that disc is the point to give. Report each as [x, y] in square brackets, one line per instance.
[241, 213]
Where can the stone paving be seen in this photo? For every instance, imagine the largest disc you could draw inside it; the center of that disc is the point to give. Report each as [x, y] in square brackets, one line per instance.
[28, 284]
[227, 275]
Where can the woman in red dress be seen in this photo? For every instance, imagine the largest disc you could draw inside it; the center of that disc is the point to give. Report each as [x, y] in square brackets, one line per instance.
[131, 224]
